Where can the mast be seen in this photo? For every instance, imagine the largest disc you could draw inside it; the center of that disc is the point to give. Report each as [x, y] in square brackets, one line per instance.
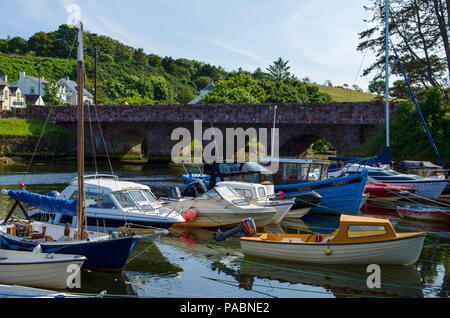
[81, 210]
[386, 17]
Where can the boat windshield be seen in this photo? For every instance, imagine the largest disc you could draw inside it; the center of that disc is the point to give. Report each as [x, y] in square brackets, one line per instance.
[226, 192]
[142, 199]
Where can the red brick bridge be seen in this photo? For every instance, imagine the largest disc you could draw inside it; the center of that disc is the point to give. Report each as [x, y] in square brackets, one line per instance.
[125, 128]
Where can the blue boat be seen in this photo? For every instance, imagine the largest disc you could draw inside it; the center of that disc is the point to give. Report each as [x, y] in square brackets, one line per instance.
[104, 252]
[294, 177]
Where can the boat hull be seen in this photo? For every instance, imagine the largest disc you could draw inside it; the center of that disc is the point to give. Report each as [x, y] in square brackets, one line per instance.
[424, 188]
[42, 273]
[108, 255]
[339, 195]
[400, 251]
[229, 219]
[424, 214]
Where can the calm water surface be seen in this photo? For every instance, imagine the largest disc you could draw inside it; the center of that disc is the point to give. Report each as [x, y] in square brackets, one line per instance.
[188, 263]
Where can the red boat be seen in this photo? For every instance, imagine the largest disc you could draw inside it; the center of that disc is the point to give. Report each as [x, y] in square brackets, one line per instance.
[385, 192]
[425, 213]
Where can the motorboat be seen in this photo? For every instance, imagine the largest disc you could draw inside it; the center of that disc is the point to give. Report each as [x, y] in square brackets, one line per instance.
[220, 206]
[37, 269]
[263, 195]
[424, 213]
[111, 202]
[294, 177]
[358, 240]
[430, 187]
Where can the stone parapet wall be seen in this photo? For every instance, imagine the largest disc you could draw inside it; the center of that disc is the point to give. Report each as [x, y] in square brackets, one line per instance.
[366, 113]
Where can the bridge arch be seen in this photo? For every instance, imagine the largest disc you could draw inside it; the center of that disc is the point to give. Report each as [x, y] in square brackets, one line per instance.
[128, 143]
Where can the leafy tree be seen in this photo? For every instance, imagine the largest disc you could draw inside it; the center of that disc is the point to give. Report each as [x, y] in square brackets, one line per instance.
[419, 30]
[377, 87]
[50, 97]
[41, 43]
[17, 45]
[279, 70]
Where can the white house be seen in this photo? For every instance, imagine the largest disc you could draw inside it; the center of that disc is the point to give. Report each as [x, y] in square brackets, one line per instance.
[29, 85]
[203, 92]
[68, 92]
[10, 97]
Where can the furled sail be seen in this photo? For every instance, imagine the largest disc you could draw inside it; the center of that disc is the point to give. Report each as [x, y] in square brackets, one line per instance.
[46, 203]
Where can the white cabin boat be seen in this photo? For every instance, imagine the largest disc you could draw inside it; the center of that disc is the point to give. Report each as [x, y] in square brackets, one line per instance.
[111, 202]
[431, 187]
[44, 270]
[221, 206]
[263, 195]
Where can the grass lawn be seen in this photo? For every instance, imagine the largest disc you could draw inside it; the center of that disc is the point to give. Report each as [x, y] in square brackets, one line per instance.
[29, 127]
[346, 95]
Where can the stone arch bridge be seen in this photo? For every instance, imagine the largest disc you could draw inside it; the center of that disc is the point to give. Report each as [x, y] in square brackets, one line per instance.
[124, 128]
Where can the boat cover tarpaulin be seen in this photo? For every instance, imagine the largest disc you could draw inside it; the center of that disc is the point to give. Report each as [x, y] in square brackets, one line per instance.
[46, 203]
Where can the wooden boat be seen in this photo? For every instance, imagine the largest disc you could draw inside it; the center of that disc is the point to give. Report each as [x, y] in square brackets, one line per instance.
[424, 213]
[45, 270]
[358, 240]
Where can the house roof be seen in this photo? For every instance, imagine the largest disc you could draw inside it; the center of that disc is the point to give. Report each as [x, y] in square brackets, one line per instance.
[73, 85]
[30, 98]
[4, 83]
[13, 89]
[36, 79]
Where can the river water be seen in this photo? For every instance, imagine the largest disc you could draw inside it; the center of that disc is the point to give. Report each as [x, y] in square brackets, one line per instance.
[188, 263]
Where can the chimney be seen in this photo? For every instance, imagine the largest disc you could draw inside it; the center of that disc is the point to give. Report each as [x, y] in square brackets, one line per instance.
[21, 75]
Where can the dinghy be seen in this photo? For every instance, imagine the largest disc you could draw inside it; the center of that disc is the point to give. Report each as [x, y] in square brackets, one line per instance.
[424, 213]
[358, 240]
[44, 270]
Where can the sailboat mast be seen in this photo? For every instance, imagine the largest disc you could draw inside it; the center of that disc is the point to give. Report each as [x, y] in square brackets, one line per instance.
[80, 137]
[387, 71]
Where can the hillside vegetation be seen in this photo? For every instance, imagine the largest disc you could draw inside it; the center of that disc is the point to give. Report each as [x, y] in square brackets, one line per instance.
[346, 95]
[121, 73]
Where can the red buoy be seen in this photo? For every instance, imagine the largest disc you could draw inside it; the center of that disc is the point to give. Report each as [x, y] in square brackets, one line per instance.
[280, 194]
[189, 215]
[21, 185]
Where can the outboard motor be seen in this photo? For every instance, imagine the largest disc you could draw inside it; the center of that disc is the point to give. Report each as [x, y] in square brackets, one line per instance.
[246, 227]
[174, 193]
[194, 189]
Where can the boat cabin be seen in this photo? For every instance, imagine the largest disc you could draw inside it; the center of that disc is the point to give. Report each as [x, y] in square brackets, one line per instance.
[104, 193]
[291, 170]
[250, 191]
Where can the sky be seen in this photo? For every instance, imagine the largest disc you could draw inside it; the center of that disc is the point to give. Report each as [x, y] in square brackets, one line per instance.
[317, 37]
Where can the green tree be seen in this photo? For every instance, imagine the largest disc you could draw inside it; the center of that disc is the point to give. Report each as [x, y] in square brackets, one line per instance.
[41, 43]
[50, 97]
[279, 70]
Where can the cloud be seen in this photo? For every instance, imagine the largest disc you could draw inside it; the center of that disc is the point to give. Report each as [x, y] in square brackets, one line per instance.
[239, 51]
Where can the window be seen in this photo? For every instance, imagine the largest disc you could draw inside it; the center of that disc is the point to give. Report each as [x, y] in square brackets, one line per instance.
[123, 199]
[261, 191]
[244, 193]
[32, 91]
[96, 200]
[366, 230]
[290, 172]
[314, 172]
